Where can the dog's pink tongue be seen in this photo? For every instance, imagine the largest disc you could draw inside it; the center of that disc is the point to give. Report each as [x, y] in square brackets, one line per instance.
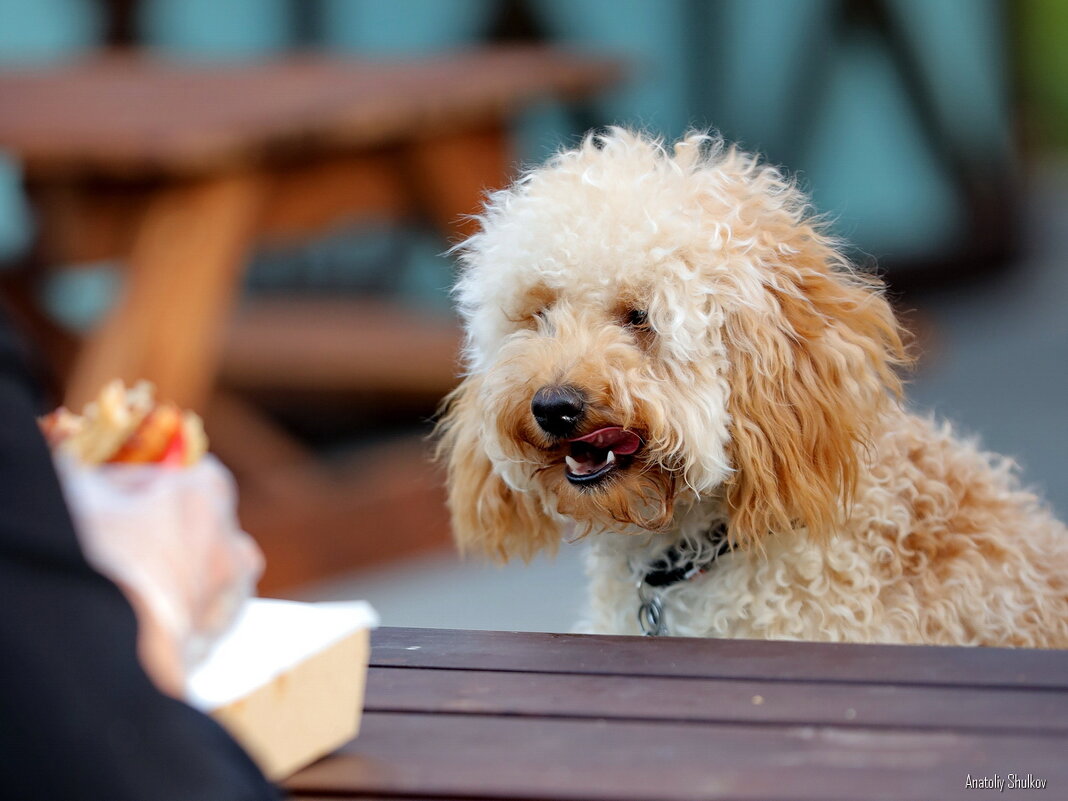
[613, 438]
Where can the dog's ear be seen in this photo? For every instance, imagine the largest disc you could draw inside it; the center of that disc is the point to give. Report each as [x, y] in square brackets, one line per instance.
[487, 515]
[809, 381]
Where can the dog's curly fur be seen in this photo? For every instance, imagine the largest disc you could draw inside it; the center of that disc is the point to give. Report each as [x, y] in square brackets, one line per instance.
[765, 388]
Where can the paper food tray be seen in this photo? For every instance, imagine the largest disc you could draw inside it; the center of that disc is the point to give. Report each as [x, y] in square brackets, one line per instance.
[287, 680]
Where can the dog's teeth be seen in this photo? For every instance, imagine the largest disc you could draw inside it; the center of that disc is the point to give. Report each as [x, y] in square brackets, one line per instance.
[610, 458]
[573, 465]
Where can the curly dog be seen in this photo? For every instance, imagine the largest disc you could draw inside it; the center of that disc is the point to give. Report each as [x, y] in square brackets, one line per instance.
[668, 355]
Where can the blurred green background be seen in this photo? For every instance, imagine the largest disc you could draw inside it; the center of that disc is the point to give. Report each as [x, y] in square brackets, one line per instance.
[905, 118]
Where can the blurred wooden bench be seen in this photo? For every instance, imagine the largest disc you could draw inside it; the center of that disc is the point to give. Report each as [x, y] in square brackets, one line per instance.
[181, 169]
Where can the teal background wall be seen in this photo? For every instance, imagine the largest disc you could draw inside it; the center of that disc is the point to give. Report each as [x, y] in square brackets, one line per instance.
[781, 77]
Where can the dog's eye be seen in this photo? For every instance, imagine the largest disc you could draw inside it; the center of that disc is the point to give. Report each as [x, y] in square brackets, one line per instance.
[637, 318]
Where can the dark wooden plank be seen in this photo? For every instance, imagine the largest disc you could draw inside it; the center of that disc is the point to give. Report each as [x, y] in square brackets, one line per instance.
[132, 114]
[502, 757]
[714, 701]
[376, 797]
[739, 659]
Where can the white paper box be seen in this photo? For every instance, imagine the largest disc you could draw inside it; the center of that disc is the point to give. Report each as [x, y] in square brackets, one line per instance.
[287, 680]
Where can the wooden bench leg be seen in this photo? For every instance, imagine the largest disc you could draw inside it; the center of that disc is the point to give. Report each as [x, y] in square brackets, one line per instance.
[187, 259]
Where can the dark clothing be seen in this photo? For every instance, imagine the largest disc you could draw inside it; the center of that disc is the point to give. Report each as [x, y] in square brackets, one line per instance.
[79, 719]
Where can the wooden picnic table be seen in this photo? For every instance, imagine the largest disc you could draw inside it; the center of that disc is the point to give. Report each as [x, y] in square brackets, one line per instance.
[180, 170]
[496, 715]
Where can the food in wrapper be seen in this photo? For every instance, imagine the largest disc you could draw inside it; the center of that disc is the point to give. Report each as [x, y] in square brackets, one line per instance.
[158, 516]
[287, 681]
[127, 426]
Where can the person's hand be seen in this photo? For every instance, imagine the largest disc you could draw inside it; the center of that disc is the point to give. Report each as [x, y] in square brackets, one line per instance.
[169, 537]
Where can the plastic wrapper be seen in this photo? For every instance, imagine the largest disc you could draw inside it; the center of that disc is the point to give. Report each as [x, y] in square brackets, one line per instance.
[169, 537]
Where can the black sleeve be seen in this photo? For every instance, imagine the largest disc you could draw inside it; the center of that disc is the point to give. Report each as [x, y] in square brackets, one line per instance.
[79, 719]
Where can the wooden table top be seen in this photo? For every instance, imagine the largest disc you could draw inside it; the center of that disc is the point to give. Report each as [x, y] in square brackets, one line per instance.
[135, 113]
[495, 715]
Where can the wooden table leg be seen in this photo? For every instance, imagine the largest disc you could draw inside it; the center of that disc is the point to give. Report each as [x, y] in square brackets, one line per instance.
[450, 175]
[188, 255]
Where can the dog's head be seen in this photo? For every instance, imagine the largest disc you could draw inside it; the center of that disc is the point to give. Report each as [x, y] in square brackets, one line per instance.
[648, 327]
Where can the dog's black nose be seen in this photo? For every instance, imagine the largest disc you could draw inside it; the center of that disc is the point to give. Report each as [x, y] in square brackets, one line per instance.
[558, 409]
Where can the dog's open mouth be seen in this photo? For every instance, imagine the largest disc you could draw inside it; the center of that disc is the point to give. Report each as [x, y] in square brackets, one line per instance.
[595, 455]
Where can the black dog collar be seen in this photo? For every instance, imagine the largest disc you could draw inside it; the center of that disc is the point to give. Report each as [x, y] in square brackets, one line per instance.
[667, 572]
